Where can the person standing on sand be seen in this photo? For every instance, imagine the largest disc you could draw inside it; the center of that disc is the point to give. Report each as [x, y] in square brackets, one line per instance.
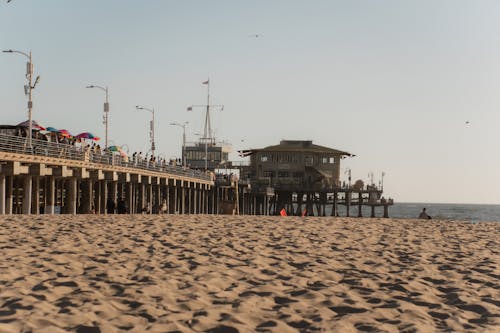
[110, 206]
[121, 207]
[423, 215]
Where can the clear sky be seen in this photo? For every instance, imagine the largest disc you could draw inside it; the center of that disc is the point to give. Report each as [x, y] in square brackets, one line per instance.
[393, 82]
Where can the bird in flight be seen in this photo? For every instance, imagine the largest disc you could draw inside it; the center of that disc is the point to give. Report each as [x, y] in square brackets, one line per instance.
[255, 35]
[9, 1]
[467, 122]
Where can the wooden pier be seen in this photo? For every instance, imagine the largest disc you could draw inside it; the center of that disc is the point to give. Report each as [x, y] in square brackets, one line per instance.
[58, 178]
[267, 200]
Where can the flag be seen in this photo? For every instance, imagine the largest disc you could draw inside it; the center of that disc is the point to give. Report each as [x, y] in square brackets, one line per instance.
[205, 82]
[190, 108]
[283, 212]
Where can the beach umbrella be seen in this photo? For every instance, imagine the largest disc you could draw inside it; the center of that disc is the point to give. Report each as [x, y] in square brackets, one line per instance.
[116, 149]
[87, 135]
[52, 129]
[34, 125]
[65, 133]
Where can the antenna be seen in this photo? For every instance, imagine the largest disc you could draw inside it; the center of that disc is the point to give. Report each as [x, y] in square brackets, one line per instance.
[207, 131]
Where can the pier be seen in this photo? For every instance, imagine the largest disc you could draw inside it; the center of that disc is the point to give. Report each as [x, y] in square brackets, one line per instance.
[59, 178]
[55, 178]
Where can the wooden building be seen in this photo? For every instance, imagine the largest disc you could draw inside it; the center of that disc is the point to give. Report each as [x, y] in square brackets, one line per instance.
[301, 178]
[294, 165]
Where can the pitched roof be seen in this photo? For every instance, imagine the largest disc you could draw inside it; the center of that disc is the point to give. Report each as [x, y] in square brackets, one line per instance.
[296, 146]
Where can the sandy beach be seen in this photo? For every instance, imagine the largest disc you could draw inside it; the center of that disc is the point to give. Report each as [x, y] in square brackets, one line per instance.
[202, 273]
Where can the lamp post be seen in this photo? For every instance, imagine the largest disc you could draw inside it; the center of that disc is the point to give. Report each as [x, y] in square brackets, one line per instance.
[183, 125]
[151, 127]
[106, 111]
[28, 91]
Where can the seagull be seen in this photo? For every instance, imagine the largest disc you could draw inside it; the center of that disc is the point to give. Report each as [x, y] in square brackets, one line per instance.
[255, 35]
[467, 122]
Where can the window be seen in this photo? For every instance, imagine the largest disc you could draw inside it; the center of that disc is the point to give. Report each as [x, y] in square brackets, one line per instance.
[283, 174]
[269, 174]
[263, 158]
[324, 160]
[332, 160]
[298, 175]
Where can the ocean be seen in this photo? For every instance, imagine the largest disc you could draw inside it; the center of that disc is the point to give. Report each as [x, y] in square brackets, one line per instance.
[461, 212]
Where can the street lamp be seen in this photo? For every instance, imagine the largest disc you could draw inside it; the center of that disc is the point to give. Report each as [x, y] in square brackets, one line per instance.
[151, 127]
[106, 111]
[28, 90]
[183, 140]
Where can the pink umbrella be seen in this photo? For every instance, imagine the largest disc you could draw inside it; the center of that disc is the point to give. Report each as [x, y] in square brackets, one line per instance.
[87, 135]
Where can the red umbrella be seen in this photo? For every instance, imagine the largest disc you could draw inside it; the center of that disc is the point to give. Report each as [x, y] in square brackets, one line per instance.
[65, 133]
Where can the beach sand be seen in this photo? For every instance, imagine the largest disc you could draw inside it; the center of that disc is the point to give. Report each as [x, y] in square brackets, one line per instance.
[201, 273]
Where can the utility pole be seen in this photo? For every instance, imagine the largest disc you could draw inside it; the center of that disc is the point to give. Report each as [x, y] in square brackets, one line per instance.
[106, 111]
[183, 140]
[151, 128]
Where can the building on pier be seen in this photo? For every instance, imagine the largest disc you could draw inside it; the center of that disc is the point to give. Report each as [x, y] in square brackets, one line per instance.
[303, 179]
[294, 165]
[207, 154]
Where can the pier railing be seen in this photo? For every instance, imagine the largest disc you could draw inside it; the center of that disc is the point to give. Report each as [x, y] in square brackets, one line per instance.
[18, 145]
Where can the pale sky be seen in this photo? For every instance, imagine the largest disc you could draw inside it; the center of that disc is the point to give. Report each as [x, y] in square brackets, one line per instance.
[393, 82]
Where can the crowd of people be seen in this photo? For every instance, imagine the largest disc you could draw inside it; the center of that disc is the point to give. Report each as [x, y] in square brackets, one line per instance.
[61, 144]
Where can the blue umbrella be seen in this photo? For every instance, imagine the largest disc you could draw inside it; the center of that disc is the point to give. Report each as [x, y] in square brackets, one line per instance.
[52, 129]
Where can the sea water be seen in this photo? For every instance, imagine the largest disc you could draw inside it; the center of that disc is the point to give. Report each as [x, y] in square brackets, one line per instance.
[461, 212]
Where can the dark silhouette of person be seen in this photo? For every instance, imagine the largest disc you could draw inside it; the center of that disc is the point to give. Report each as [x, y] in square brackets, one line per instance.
[423, 215]
[110, 206]
[121, 207]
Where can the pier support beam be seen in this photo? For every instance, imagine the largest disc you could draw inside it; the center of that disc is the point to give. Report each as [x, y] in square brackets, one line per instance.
[103, 196]
[150, 198]
[2, 194]
[195, 199]
[71, 195]
[50, 195]
[35, 199]
[183, 198]
[140, 199]
[87, 196]
[129, 194]
[158, 198]
[27, 186]
[9, 188]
